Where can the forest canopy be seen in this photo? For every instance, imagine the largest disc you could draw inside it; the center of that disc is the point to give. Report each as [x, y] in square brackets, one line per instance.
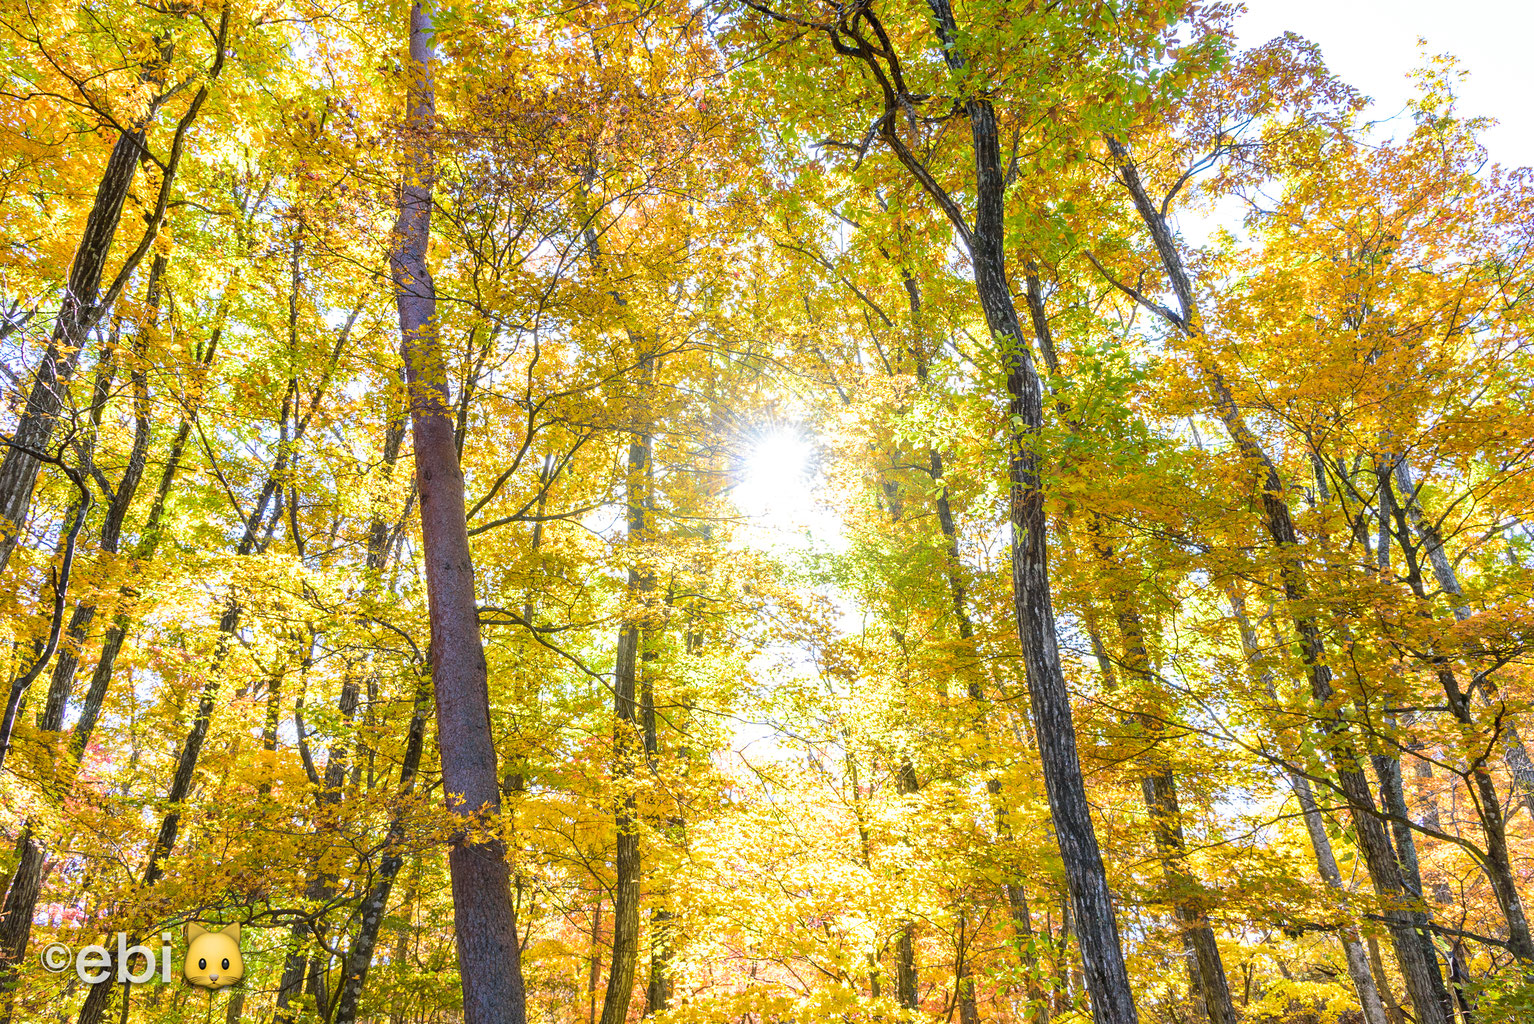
[757, 511]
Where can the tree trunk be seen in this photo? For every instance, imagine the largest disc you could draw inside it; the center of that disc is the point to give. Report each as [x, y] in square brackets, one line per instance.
[630, 736]
[1393, 1008]
[359, 956]
[1497, 864]
[1519, 765]
[963, 977]
[21, 898]
[1320, 843]
[1158, 788]
[662, 942]
[485, 930]
[83, 303]
[1107, 979]
[1408, 927]
[77, 315]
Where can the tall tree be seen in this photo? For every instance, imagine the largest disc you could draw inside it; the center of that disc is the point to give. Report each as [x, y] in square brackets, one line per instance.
[489, 955]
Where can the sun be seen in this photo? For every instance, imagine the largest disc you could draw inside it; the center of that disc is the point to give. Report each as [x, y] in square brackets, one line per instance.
[778, 479]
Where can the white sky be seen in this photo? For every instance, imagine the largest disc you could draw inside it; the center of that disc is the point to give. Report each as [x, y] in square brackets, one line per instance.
[1372, 45]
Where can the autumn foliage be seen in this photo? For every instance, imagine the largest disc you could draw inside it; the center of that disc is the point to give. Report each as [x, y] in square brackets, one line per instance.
[1005, 512]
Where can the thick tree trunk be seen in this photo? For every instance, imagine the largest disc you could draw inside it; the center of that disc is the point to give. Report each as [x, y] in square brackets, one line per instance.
[1160, 793]
[662, 941]
[1393, 1009]
[489, 957]
[906, 982]
[1107, 979]
[963, 977]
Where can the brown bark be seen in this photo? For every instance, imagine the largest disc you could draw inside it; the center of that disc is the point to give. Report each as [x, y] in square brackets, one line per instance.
[963, 977]
[60, 586]
[77, 316]
[489, 957]
[662, 941]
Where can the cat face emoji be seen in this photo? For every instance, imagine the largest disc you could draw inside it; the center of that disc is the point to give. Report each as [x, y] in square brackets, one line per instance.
[213, 958]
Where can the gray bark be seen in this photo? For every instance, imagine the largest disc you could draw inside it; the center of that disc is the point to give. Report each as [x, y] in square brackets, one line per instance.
[856, 36]
[1107, 979]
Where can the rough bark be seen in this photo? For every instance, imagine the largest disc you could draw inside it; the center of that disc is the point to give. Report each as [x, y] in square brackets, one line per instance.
[489, 956]
[60, 586]
[958, 593]
[1107, 979]
[859, 35]
[662, 940]
[963, 977]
